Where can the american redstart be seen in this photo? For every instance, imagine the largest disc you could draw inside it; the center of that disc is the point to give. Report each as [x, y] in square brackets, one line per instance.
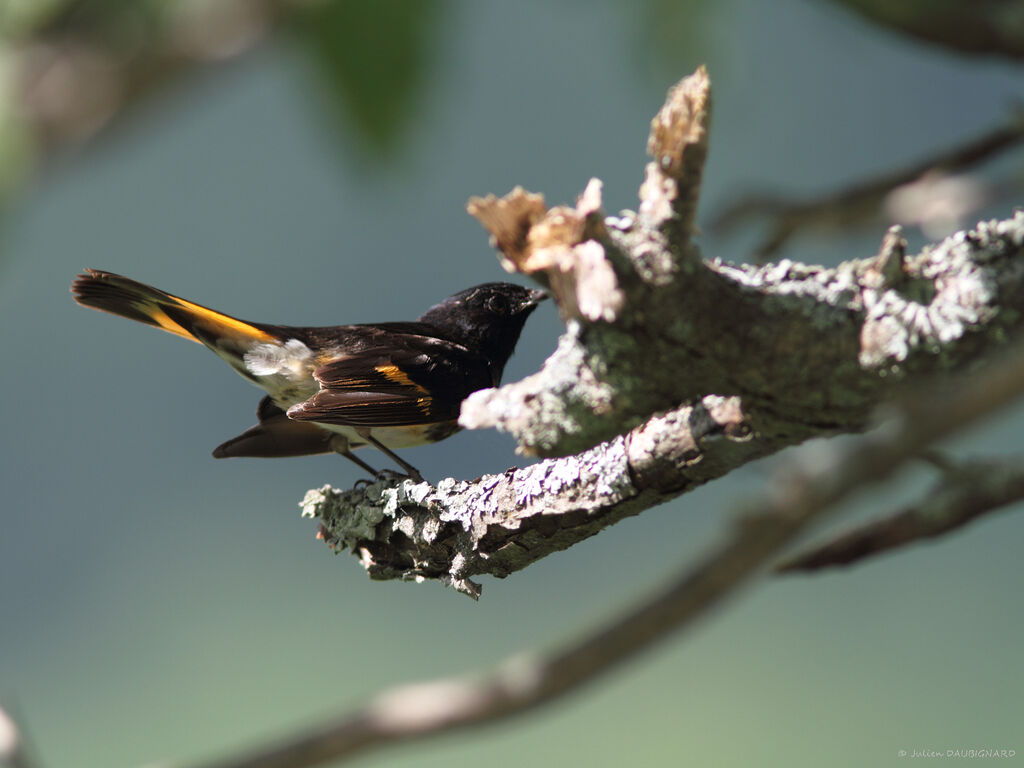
[334, 389]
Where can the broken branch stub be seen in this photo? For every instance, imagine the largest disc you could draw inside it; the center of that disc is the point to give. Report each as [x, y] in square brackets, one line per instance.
[595, 267]
[678, 143]
[560, 247]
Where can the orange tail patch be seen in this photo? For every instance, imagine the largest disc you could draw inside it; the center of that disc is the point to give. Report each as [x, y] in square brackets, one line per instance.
[144, 304]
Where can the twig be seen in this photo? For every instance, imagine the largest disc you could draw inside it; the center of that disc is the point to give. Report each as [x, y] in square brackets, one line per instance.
[980, 28]
[678, 144]
[523, 683]
[967, 493]
[860, 203]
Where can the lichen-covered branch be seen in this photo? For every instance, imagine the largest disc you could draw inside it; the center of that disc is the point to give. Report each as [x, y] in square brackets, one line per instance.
[499, 524]
[808, 349]
[651, 326]
[966, 493]
[673, 370]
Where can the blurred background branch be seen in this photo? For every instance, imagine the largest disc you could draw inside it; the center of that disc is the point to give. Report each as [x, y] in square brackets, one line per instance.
[72, 70]
[980, 27]
[966, 492]
[935, 194]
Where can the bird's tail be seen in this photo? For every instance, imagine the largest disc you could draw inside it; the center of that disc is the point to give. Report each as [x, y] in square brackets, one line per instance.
[136, 301]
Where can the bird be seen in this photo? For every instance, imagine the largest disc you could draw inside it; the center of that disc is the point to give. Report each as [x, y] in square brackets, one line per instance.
[334, 389]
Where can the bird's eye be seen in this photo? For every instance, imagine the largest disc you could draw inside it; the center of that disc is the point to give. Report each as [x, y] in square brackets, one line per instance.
[497, 304]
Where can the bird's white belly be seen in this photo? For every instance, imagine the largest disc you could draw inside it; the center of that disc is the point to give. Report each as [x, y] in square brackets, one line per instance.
[396, 437]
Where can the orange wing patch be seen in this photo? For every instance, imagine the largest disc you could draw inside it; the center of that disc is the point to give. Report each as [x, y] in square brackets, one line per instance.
[398, 376]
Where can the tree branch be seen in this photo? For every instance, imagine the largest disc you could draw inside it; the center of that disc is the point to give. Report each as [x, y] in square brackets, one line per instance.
[982, 27]
[499, 524]
[650, 326]
[522, 683]
[737, 362]
[966, 493]
[923, 193]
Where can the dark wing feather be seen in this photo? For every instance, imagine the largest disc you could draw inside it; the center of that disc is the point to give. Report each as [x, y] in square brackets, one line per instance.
[267, 409]
[365, 409]
[412, 380]
[277, 435]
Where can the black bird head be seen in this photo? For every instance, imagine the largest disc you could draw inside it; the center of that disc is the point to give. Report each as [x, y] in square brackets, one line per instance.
[486, 319]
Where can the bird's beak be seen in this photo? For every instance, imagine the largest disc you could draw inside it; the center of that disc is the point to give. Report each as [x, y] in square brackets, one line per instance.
[536, 297]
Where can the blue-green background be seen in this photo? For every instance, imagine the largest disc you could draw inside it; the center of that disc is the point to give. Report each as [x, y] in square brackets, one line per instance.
[157, 604]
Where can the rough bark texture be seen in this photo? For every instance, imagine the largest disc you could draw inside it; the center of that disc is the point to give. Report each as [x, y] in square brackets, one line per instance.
[844, 340]
[709, 364]
[807, 348]
[499, 524]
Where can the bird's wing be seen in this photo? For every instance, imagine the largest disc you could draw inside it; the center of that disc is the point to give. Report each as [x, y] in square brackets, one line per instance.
[412, 379]
[277, 435]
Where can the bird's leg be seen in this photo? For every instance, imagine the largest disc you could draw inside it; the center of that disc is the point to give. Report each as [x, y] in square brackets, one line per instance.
[356, 460]
[409, 468]
[342, 448]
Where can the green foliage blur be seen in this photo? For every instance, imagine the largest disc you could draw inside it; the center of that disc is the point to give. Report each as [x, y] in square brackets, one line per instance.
[373, 60]
[370, 62]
